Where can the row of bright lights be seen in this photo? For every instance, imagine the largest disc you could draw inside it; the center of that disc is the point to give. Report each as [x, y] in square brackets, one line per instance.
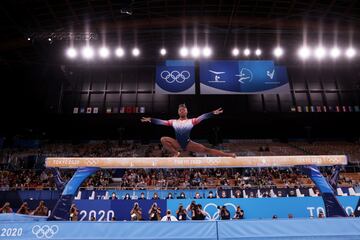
[321, 52]
[88, 52]
[304, 52]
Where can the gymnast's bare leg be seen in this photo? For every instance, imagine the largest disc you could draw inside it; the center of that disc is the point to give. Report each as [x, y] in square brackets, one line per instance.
[199, 148]
[171, 145]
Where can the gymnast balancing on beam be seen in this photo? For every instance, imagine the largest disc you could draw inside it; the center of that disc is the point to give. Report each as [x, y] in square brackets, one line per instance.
[182, 127]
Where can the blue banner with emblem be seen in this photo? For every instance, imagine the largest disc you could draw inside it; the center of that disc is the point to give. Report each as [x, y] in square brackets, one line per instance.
[175, 77]
[242, 77]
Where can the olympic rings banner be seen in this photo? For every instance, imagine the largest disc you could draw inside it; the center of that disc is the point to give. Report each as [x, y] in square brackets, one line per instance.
[242, 77]
[175, 77]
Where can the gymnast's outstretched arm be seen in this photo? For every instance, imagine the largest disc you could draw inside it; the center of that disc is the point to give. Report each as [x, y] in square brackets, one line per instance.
[157, 121]
[207, 115]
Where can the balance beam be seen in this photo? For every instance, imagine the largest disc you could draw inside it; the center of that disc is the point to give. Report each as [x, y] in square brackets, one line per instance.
[195, 162]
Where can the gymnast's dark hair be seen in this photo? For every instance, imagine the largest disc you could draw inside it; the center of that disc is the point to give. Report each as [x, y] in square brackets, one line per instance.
[182, 105]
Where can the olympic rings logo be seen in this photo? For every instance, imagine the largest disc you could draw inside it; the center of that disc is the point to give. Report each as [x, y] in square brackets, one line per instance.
[173, 76]
[45, 231]
[91, 162]
[216, 214]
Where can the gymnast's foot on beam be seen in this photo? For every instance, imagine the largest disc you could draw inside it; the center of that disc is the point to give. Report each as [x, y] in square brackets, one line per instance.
[177, 154]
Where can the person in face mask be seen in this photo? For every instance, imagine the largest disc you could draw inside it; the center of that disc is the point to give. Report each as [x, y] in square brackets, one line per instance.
[169, 196]
[169, 217]
[113, 196]
[182, 196]
[211, 195]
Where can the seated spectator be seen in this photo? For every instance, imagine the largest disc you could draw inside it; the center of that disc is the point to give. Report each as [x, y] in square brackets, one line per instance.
[136, 213]
[211, 195]
[181, 213]
[279, 194]
[274, 217]
[113, 196]
[292, 193]
[127, 197]
[155, 196]
[41, 210]
[224, 213]
[154, 212]
[169, 217]
[290, 216]
[239, 214]
[169, 196]
[237, 194]
[182, 196]
[265, 194]
[142, 196]
[93, 219]
[321, 214]
[24, 209]
[74, 213]
[6, 208]
[197, 196]
[223, 194]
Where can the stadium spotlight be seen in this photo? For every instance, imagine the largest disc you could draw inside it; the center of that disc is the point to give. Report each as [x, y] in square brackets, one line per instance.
[304, 52]
[207, 52]
[195, 52]
[247, 52]
[29, 39]
[235, 52]
[184, 52]
[87, 52]
[335, 52]
[104, 52]
[258, 52]
[71, 52]
[135, 52]
[119, 52]
[350, 52]
[320, 52]
[278, 52]
[163, 51]
[49, 39]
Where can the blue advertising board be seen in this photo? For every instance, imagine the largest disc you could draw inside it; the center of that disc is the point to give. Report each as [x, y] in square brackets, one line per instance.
[255, 208]
[242, 77]
[265, 208]
[175, 77]
[104, 210]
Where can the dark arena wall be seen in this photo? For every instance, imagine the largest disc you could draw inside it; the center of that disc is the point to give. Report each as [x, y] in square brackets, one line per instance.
[46, 98]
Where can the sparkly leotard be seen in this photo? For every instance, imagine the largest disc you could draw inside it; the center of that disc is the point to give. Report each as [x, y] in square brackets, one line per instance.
[182, 127]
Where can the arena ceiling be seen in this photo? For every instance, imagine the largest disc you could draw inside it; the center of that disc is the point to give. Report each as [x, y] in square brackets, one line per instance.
[153, 23]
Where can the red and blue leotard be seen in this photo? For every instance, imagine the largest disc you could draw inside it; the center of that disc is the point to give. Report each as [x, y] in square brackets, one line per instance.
[182, 127]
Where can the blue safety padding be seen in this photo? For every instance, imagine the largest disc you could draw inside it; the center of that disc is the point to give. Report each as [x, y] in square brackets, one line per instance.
[336, 228]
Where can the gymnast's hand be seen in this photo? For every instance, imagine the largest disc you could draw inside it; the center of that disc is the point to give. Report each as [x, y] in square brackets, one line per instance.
[145, 119]
[218, 111]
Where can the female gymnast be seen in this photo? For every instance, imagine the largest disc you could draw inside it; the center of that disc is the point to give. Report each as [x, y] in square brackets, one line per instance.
[182, 127]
